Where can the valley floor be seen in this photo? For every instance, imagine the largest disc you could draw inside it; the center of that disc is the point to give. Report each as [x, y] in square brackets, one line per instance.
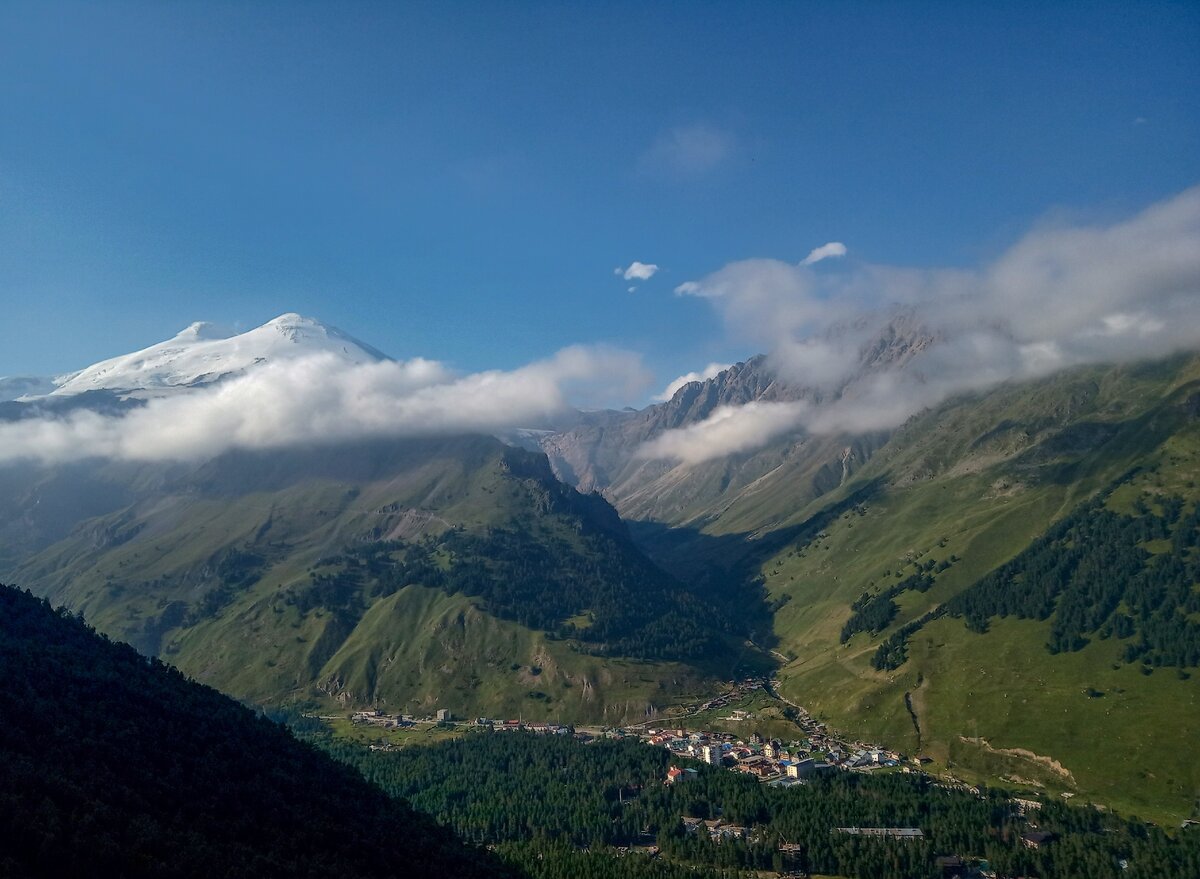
[752, 728]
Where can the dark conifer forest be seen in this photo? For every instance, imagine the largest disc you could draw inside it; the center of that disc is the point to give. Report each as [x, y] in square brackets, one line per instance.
[115, 765]
[548, 801]
[1093, 575]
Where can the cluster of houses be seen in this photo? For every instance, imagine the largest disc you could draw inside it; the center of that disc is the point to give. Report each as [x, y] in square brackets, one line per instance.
[555, 729]
[775, 763]
[772, 761]
[376, 717]
[717, 829]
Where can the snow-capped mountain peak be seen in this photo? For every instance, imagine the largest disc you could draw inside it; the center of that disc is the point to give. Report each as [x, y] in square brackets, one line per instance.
[203, 353]
[202, 331]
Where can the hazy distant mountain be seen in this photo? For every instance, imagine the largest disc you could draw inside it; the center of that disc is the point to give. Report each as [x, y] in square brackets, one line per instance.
[13, 387]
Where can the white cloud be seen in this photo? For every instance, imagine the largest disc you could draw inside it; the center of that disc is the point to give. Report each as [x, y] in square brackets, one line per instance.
[1061, 296]
[727, 431]
[825, 251]
[710, 371]
[638, 271]
[687, 150]
[322, 398]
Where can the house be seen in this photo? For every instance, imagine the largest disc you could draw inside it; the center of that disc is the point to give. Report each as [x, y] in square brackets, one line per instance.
[675, 774]
[805, 768]
[906, 833]
[950, 866]
[1035, 839]
[443, 714]
[723, 832]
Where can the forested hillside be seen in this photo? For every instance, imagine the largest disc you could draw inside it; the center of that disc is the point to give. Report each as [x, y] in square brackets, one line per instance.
[1010, 586]
[541, 797]
[115, 765]
[1092, 576]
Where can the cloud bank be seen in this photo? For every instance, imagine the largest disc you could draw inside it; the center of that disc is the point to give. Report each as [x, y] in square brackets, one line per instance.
[323, 398]
[729, 430]
[880, 343]
[710, 371]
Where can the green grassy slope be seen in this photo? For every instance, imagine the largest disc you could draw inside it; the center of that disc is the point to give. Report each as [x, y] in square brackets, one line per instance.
[977, 480]
[218, 572]
[421, 649]
[973, 483]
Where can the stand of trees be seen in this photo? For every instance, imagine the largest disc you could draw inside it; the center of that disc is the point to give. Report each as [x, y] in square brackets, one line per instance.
[874, 612]
[549, 797]
[1093, 575]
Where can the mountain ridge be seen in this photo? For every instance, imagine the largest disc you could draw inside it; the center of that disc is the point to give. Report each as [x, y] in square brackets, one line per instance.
[112, 765]
[268, 574]
[602, 451]
[200, 354]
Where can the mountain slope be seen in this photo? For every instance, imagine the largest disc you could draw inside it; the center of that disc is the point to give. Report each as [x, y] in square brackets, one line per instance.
[113, 766]
[872, 548]
[453, 572]
[745, 491]
[929, 522]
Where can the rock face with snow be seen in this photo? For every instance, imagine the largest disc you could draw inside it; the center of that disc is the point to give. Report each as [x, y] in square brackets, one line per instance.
[203, 354]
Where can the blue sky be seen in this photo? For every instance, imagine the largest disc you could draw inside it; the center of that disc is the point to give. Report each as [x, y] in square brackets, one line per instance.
[458, 181]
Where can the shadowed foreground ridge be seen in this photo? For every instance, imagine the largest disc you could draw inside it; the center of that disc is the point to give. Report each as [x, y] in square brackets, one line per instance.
[115, 765]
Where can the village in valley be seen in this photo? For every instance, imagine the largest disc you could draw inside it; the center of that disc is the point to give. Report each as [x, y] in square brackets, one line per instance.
[781, 761]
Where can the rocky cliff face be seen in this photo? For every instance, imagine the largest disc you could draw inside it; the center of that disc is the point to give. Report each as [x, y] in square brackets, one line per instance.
[596, 452]
[599, 451]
